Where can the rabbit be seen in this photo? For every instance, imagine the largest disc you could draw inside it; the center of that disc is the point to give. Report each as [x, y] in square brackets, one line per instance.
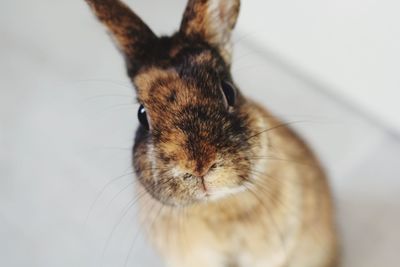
[221, 181]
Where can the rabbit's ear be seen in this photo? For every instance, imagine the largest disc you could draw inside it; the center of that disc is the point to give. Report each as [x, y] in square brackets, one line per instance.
[131, 34]
[212, 21]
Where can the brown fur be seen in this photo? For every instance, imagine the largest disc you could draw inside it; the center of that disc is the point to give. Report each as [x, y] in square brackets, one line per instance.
[219, 186]
[286, 216]
[211, 22]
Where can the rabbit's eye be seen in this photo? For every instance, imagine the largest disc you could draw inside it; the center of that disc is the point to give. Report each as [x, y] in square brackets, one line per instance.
[142, 116]
[229, 93]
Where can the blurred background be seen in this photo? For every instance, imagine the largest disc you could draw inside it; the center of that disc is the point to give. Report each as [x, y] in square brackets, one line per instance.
[67, 120]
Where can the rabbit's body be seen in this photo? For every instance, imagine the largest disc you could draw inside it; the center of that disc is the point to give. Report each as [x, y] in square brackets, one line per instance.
[283, 221]
[222, 183]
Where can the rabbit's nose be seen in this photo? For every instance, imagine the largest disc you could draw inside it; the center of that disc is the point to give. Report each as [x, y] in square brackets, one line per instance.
[200, 173]
[202, 169]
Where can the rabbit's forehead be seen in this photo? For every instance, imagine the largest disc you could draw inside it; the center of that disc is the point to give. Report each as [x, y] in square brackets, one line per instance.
[155, 82]
[158, 87]
[159, 80]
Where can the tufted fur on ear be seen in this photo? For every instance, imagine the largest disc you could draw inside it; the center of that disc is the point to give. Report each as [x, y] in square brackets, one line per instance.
[213, 22]
[131, 34]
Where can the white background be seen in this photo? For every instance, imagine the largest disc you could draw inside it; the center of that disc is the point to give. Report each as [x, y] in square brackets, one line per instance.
[350, 46]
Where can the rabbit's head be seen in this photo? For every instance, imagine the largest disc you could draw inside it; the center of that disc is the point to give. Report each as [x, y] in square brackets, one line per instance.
[197, 137]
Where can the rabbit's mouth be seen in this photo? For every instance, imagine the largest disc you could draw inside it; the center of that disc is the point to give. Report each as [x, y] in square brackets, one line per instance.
[172, 186]
[214, 194]
[215, 187]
